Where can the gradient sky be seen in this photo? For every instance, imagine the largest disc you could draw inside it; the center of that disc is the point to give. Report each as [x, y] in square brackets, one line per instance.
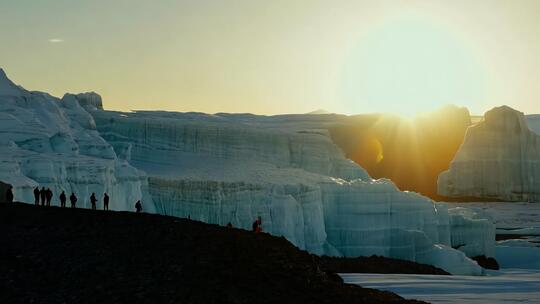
[271, 57]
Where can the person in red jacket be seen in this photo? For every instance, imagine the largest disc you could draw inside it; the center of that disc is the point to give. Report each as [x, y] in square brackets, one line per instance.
[257, 225]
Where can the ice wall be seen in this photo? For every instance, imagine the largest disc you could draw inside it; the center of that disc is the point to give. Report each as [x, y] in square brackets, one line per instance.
[171, 138]
[53, 143]
[232, 168]
[499, 159]
[229, 168]
[533, 121]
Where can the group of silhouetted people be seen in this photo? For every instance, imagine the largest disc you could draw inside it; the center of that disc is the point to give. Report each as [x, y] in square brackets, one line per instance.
[43, 197]
[255, 227]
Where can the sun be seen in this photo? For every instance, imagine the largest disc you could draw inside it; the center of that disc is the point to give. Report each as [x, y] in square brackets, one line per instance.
[410, 65]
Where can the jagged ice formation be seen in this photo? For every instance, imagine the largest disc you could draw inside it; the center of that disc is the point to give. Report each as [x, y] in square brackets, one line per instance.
[231, 168]
[498, 159]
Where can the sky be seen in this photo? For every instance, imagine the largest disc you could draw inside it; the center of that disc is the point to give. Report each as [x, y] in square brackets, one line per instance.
[274, 57]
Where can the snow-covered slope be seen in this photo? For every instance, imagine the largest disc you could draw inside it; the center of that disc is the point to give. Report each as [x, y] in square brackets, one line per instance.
[8, 88]
[499, 158]
[48, 142]
[232, 168]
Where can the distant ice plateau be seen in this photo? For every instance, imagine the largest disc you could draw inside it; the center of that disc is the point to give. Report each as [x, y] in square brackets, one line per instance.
[230, 168]
[518, 280]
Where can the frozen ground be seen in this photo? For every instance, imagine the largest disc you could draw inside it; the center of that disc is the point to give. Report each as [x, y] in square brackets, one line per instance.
[509, 215]
[518, 219]
[517, 282]
[520, 223]
[506, 286]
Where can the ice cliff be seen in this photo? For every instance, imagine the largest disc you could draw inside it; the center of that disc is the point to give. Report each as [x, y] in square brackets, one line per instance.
[498, 159]
[230, 168]
[533, 121]
[54, 143]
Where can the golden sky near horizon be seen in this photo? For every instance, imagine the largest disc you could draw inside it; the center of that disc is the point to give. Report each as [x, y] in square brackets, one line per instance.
[272, 57]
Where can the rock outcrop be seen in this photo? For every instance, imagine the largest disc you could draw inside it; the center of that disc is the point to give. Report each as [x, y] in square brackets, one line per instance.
[54, 255]
[3, 189]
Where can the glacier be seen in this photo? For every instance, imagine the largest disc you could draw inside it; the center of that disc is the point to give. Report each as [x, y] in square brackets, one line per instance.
[224, 168]
[533, 121]
[498, 159]
[51, 142]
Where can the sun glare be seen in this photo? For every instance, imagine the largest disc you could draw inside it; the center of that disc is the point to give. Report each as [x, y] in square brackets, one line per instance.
[410, 65]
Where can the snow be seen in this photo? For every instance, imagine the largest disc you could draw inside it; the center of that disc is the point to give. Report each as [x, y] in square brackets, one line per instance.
[507, 215]
[51, 142]
[514, 219]
[230, 168]
[518, 281]
[526, 257]
[8, 88]
[520, 231]
[534, 123]
[507, 286]
[471, 231]
[517, 243]
[510, 218]
[499, 158]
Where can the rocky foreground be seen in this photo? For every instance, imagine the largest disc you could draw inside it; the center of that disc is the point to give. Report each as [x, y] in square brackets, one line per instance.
[53, 255]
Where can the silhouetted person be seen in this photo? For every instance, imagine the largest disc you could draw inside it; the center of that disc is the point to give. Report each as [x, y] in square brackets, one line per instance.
[36, 196]
[256, 226]
[43, 195]
[48, 196]
[9, 195]
[229, 225]
[138, 206]
[105, 201]
[73, 199]
[63, 199]
[93, 201]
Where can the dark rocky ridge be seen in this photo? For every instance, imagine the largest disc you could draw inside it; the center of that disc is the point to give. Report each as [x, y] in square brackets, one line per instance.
[376, 264]
[53, 255]
[487, 262]
[3, 188]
